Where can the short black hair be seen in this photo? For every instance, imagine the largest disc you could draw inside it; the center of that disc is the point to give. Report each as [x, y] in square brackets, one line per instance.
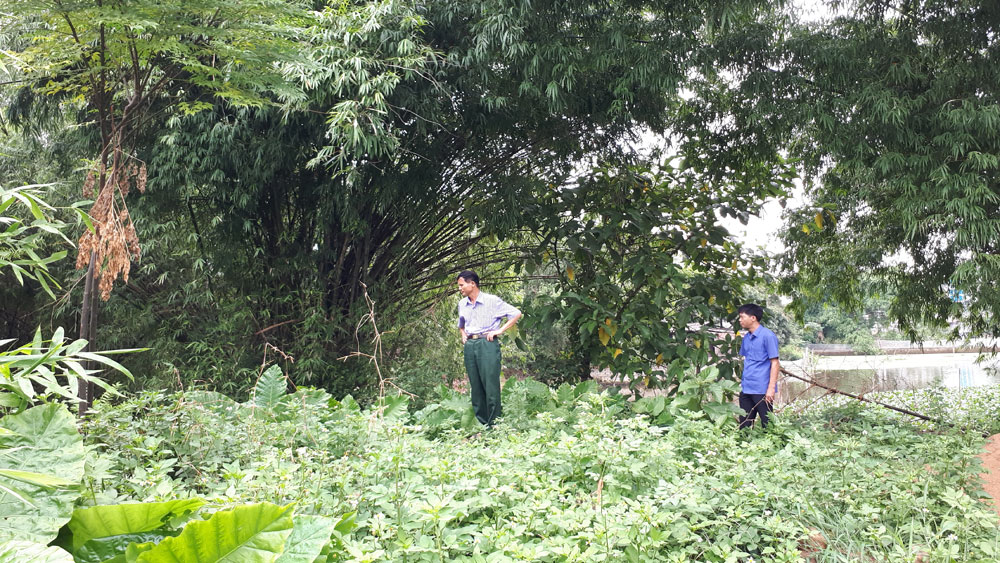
[752, 310]
[469, 276]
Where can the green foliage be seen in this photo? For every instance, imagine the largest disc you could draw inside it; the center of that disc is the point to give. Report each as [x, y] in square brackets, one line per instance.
[571, 474]
[699, 394]
[99, 529]
[30, 372]
[16, 551]
[118, 49]
[256, 532]
[645, 271]
[438, 121]
[270, 389]
[43, 442]
[309, 536]
[897, 107]
[23, 241]
[46, 455]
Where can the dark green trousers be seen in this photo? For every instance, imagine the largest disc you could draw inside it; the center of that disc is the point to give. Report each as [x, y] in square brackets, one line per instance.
[482, 363]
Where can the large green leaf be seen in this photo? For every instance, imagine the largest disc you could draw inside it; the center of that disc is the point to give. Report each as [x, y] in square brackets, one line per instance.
[123, 519]
[246, 534]
[42, 440]
[308, 537]
[113, 549]
[270, 388]
[19, 551]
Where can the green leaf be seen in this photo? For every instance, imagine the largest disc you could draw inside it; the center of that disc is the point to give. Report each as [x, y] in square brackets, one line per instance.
[270, 388]
[101, 359]
[20, 551]
[32, 478]
[309, 535]
[245, 534]
[115, 520]
[43, 440]
[86, 219]
[115, 548]
[393, 407]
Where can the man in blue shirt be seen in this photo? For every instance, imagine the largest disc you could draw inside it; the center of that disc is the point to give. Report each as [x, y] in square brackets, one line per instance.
[481, 319]
[760, 366]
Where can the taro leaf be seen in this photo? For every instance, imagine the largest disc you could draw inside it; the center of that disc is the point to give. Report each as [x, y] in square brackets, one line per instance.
[308, 537]
[246, 534]
[19, 551]
[394, 407]
[104, 522]
[270, 388]
[43, 440]
[114, 548]
[469, 421]
[348, 403]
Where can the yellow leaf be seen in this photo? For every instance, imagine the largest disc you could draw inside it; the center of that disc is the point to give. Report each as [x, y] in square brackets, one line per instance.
[603, 336]
[612, 329]
[734, 265]
[607, 321]
[819, 220]
[645, 381]
[684, 227]
[570, 273]
[805, 229]
[833, 218]
[659, 359]
[618, 352]
[697, 343]
[545, 256]
[730, 309]
[704, 243]
[711, 300]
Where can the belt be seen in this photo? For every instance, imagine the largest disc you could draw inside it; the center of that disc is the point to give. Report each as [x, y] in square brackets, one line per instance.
[483, 336]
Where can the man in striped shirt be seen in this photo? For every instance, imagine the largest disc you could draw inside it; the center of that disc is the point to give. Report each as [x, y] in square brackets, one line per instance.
[481, 321]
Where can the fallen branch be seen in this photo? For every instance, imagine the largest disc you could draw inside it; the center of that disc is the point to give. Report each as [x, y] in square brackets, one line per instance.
[863, 399]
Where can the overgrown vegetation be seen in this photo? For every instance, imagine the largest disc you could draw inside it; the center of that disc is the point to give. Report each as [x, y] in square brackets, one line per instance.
[570, 475]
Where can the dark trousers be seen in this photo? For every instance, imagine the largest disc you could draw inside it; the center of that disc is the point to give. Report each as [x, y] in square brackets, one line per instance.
[754, 405]
[482, 363]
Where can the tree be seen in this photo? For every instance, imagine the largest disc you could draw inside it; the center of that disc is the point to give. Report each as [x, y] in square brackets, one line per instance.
[120, 63]
[515, 97]
[649, 279]
[897, 114]
[424, 132]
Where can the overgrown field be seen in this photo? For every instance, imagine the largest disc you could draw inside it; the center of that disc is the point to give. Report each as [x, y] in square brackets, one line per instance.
[570, 475]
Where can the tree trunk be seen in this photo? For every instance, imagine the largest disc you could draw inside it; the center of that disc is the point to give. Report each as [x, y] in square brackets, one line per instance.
[88, 330]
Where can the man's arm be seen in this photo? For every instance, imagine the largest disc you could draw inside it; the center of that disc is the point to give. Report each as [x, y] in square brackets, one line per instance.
[511, 321]
[772, 383]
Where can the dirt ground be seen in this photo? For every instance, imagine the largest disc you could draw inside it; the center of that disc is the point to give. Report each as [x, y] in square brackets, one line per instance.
[991, 469]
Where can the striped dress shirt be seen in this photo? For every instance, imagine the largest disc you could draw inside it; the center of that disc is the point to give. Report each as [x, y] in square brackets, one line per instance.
[485, 314]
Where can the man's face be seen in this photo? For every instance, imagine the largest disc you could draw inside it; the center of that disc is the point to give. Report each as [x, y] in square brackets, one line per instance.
[465, 287]
[747, 321]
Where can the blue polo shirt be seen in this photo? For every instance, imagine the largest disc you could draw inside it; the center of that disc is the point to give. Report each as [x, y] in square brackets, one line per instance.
[757, 349]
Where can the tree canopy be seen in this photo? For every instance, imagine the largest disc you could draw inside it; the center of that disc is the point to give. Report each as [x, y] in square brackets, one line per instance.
[898, 120]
